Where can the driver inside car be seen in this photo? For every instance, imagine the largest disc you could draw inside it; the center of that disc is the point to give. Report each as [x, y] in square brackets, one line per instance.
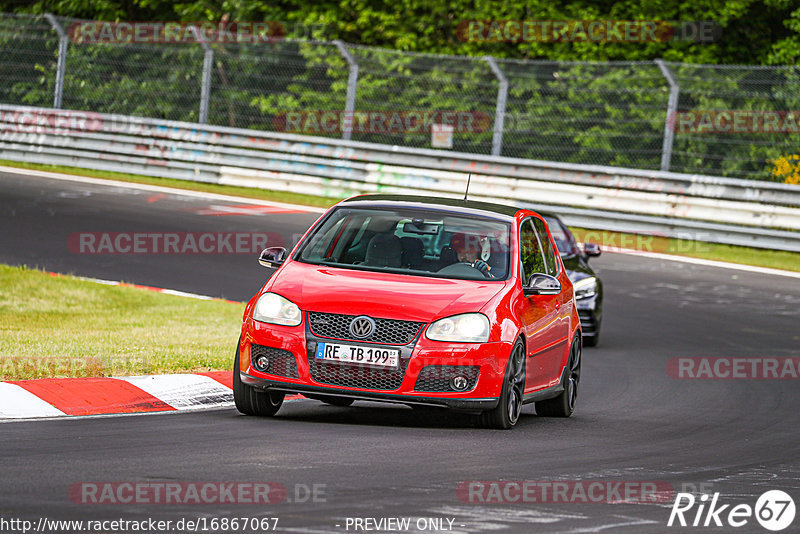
[473, 250]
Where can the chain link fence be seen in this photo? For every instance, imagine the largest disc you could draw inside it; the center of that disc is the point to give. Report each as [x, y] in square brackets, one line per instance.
[721, 120]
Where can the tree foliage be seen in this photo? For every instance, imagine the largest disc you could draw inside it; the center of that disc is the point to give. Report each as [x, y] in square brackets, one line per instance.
[587, 102]
[751, 31]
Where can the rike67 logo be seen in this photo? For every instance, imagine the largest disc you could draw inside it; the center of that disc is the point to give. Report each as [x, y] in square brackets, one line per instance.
[774, 510]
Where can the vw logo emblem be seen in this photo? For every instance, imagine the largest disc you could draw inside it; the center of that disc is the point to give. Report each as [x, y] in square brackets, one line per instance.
[362, 326]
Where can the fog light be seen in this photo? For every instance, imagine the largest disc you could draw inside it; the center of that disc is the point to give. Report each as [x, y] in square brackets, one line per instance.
[459, 383]
[262, 363]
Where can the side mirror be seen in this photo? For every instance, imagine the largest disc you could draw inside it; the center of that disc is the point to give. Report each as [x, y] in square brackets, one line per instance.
[542, 284]
[591, 249]
[272, 257]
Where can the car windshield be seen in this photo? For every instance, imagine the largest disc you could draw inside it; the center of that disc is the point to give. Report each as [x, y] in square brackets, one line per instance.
[411, 241]
[565, 242]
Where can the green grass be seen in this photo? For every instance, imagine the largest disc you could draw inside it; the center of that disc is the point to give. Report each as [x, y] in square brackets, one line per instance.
[67, 327]
[775, 259]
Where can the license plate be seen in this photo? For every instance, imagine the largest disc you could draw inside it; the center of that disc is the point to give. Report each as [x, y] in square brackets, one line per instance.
[373, 356]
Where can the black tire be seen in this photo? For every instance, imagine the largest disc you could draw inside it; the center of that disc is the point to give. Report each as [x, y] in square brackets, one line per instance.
[251, 401]
[506, 414]
[564, 404]
[332, 400]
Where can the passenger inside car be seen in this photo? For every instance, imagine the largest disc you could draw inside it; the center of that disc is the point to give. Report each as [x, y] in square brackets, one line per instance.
[474, 250]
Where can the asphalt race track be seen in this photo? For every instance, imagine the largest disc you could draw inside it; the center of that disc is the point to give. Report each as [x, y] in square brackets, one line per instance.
[633, 422]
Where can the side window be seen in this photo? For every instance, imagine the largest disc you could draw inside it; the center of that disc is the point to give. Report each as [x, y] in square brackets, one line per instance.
[549, 253]
[320, 246]
[532, 258]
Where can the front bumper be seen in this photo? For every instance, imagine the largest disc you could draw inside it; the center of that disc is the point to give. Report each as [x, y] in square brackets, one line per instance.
[589, 312]
[290, 387]
[410, 383]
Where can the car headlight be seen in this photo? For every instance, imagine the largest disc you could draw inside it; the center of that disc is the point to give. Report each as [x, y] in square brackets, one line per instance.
[585, 288]
[464, 328]
[273, 308]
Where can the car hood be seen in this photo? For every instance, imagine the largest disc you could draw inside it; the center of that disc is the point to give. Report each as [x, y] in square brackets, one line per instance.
[577, 268]
[385, 295]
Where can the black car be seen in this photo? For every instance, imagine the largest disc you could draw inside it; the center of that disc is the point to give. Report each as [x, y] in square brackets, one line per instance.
[588, 287]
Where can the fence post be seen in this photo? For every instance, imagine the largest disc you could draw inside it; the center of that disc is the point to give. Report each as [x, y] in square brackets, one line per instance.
[205, 87]
[672, 107]
[352, 81]
[500, 111]
[63, 41]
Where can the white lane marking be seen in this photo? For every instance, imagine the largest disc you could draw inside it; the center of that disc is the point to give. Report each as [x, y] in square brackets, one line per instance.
[174, 292]
[184, 392]
[16, 402]
[158, 189]
[184, 294]
[629, 522]
[706, 263]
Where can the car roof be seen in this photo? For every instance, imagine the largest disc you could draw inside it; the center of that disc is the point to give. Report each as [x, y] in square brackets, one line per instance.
[467, 205]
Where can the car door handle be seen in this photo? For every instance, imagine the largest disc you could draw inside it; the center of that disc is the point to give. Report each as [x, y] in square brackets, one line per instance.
[558, 304]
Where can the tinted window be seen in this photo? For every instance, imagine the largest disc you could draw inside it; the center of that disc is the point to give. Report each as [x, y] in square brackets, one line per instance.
[410, 241]
[565, 242]
[532, 258]
[549, 253]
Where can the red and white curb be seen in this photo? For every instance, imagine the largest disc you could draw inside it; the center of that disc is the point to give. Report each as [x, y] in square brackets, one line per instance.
[55, 397]
[58, 397]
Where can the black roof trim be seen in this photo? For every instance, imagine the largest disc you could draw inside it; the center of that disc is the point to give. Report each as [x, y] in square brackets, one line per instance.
[497, 209]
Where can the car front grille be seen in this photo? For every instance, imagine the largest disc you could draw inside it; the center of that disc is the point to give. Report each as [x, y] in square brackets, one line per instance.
[355, 375]
[436, 378]
[281, 362]
[387, 331]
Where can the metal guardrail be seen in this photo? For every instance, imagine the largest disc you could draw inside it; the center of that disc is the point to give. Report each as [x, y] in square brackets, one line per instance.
[704, 208]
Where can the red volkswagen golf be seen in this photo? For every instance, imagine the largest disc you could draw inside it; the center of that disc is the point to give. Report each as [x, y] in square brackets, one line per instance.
[448, 303]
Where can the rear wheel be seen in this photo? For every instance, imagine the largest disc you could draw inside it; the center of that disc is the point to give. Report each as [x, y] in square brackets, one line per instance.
[251, 401]
[564, 404]
[506, 414]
